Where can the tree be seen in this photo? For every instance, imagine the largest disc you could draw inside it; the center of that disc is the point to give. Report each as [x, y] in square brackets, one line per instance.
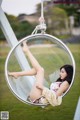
[72, 10]
[21, 29]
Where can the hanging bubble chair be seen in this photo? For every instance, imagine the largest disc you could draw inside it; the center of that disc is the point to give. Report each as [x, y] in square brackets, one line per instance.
[51, 53]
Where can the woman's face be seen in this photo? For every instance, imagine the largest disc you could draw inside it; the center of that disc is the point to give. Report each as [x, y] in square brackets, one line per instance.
[63, 73]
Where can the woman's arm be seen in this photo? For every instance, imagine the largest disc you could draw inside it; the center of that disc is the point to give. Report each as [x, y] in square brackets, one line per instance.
[23, 73]
[63, 87]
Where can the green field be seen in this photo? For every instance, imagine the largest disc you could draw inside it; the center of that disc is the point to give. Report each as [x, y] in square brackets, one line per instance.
[21, 111]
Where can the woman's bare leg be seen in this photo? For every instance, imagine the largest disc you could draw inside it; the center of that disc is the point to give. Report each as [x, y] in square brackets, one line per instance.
[22, 73]
[34, 62]
[32, 59]
[35, 92]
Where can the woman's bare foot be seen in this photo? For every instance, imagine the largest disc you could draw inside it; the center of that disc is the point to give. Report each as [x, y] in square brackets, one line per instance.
[25, 47]
[13, 74]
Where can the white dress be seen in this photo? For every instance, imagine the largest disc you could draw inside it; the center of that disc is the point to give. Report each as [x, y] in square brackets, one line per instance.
[55, 86]
[50, 94]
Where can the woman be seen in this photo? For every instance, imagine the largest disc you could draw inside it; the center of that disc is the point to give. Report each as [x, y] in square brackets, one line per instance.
[38, 92]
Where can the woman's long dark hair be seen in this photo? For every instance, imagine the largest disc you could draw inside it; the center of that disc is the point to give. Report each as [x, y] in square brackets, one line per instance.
[69, 71]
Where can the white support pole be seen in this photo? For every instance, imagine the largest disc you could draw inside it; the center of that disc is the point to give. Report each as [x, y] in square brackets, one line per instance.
[12, 40]
[77, 112]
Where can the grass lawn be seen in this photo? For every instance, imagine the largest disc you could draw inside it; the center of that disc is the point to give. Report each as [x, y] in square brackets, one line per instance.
[21, 111]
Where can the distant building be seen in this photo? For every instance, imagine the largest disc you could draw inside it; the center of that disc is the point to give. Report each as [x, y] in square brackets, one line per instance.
[32, 18]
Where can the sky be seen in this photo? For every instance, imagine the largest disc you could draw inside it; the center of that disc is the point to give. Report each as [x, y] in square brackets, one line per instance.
[16, 7]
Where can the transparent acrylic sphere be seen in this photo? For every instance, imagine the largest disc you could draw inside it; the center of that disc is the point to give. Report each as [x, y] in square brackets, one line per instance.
[50, 52]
